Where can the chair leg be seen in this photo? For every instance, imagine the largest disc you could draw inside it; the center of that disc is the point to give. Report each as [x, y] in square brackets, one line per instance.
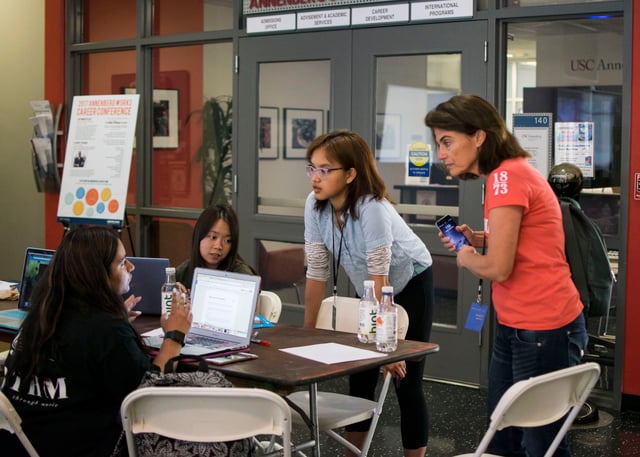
[295, 286]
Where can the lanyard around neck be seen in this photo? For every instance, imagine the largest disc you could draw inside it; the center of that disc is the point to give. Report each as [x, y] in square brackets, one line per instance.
[336, 263]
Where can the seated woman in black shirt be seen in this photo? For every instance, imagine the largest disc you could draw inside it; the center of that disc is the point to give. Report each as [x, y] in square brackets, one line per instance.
[76, 355]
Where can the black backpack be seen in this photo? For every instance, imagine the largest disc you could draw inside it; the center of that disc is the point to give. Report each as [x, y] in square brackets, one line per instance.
[588, 258]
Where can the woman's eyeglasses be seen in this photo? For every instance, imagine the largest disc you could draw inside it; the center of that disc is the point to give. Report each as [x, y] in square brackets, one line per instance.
[321, 172]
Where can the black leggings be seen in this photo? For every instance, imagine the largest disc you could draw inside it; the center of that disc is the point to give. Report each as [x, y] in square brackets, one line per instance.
[418, 299]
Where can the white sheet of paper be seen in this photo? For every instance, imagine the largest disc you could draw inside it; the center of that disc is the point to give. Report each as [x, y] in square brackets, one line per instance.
[5, 285]
[329, 353]
[155, 332]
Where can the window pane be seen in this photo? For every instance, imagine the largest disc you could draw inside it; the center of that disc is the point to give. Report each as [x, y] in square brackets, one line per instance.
[112, 73]
[171, 238]
[109, 20]
[290, 117]
[192, 84]
[546, 75]
[282, 268]
[171, 16]
[407, 158]
[573, 70]
[404, 148]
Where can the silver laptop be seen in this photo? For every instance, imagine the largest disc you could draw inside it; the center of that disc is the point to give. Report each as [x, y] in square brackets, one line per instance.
[148, 277]
[223, 306]
[34, 266]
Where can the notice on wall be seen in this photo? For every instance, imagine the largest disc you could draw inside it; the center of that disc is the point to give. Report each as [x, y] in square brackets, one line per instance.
[574, 144]
[533, 131]
[418, 164]
[98, 159]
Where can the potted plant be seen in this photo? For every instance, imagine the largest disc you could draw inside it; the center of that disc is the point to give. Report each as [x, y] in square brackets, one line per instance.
[215, 150]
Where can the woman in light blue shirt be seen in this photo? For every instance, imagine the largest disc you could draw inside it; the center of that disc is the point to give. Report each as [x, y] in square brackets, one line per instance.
[350, 215]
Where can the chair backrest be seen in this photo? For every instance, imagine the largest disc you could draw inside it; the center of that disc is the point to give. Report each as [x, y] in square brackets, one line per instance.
[205, 414]
[346, 317]
[269, 305]
[280, 267]
[542, 400]
[10, 420]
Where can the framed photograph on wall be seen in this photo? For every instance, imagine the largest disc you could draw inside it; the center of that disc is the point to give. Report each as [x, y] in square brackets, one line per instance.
[301, 126]
[268, 123]
[388, 135]
[165, 117]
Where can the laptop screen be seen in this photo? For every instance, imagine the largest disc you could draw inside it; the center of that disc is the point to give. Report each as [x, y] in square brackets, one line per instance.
[36, 261]
[223, 302]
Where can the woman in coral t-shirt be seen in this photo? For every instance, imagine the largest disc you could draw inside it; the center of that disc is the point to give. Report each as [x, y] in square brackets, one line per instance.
[541, 326]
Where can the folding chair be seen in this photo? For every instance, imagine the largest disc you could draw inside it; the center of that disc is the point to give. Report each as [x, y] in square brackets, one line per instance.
[10, 420]
[269, 306]
[205, 414]
[542, 400]
[339, 410]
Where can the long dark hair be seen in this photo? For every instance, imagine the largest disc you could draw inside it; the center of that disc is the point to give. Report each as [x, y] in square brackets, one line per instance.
[469, 113]
[207, 219]
[78, 277]
[351, 151]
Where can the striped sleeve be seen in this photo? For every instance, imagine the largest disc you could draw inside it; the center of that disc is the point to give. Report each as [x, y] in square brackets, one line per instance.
[317, 261]
[379, 260]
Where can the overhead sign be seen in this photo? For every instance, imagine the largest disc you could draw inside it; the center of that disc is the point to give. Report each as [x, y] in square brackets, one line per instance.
[433, 10]
[276, 23]
[272, 6]
[324, 18]
[372, 15]
[380, 14]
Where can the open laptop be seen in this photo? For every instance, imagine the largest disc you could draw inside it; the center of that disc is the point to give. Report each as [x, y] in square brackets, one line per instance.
[148, 277]
[35, 264]
[223, 306]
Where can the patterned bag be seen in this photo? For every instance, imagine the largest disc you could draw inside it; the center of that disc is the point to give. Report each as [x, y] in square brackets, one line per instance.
[152, 445]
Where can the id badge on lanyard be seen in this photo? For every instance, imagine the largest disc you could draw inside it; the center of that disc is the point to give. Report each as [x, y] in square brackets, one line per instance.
[477, 313]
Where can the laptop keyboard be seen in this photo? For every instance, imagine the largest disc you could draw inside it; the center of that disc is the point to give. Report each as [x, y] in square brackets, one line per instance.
[206, 341]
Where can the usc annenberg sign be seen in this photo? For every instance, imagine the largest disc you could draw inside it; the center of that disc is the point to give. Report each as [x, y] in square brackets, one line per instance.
[271, 6]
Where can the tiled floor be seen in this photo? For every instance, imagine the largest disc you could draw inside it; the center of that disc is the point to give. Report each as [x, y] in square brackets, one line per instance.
[458, 421]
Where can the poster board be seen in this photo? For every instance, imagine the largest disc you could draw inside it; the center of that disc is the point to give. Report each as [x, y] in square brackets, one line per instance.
[574, 143]
[98, 159]
[534, 133]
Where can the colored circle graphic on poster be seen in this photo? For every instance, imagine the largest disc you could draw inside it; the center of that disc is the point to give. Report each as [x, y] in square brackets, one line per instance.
[87, 202]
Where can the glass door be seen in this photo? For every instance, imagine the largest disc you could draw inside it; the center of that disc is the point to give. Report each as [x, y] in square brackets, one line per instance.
[400, 74]
[380, 82]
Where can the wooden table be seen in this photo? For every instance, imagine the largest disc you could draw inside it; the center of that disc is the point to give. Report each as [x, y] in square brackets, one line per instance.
[284, 372]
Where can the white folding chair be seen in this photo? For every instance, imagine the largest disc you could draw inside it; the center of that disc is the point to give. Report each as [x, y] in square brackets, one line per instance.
[205, 414]
[269, 306]
[10, 420]
[339, 410]
[542, 400]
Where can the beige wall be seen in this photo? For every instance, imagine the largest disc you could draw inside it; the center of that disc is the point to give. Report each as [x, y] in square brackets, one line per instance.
[21, 80]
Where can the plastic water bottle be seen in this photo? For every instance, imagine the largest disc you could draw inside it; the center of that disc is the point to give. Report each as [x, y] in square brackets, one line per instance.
[387, 328]
[167, 289]
[368, 314]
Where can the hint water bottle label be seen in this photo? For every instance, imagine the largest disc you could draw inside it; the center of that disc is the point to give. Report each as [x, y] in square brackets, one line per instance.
[387, 328]
[166, 294]
[167, 299]
[367, 314]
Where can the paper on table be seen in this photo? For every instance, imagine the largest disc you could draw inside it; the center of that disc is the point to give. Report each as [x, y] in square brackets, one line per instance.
[330, 353]
[155, 332]
[4, 285]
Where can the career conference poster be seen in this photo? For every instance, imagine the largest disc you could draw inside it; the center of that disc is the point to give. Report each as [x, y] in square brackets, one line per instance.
[97, 160]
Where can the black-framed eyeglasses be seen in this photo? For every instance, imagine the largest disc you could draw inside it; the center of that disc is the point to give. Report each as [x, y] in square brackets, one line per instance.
[321, 172]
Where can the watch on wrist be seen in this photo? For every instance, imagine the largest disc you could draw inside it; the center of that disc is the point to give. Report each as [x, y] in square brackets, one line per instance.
[175, 335]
